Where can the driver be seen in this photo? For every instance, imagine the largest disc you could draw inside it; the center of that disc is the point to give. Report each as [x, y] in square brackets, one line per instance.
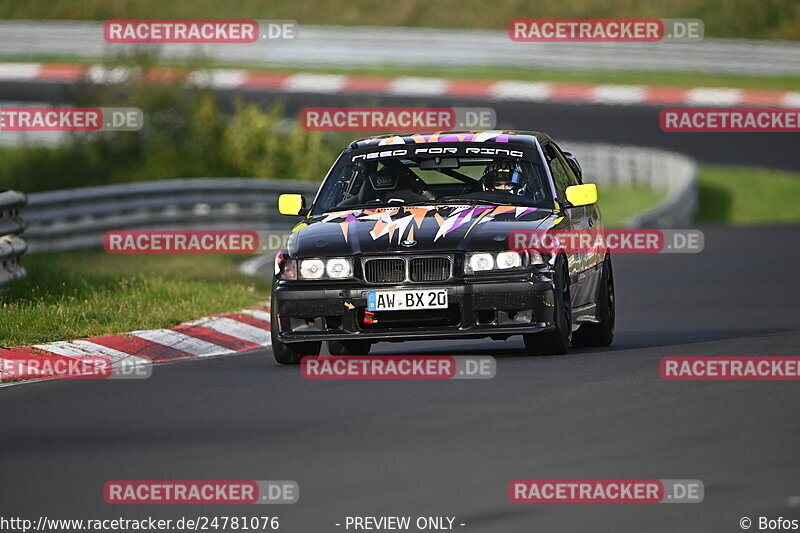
[503, 175]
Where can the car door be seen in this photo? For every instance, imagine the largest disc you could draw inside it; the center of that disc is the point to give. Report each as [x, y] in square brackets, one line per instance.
[577, 218]
[592, 260]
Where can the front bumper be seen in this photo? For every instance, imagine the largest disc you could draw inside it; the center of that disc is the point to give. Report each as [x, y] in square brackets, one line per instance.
[478, 308]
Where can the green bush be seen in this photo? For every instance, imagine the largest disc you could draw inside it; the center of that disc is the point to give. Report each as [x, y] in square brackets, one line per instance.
[253, 146]
[186, 133]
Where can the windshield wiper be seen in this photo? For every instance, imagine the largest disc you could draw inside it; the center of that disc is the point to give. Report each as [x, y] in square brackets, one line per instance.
[421, 202]
[472, 201]
[368, 205]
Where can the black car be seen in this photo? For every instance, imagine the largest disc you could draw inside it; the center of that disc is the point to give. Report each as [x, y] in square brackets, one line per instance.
[408, 239]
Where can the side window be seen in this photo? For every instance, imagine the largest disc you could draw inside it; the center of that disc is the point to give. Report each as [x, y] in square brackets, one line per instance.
[558, 168]
[573, 178]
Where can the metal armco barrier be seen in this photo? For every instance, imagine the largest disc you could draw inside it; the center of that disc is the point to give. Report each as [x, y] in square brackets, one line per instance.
[674, 174]
[73, 219]
[12, 246]
[347, 45]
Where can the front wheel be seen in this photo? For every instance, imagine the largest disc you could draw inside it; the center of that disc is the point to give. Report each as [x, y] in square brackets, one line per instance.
[289, 353]
[601, 334]
[558, 341]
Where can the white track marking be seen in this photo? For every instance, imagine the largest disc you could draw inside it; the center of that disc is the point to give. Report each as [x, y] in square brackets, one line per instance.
[521, 90]
[180, 341]
[414, 86]
[65, 349]
[791, 100]
[235, 329]
[713, 97]
[619, 94]
[315, 83]
[115, 355]
[102, 74]
[257, 313]
[218, 78]
[19, 71]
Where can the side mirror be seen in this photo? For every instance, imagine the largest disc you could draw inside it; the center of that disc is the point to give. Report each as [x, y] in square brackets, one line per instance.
[579, 195]
[292, 204]
[573, 163]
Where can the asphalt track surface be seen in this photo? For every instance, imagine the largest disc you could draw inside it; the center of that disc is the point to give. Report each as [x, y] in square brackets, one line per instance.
[421, 448]
[633, 124]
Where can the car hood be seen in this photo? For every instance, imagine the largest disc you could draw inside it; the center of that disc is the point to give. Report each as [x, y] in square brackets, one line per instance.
[414, 229]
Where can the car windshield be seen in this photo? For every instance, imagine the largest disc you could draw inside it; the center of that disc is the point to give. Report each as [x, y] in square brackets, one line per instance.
[366, 183]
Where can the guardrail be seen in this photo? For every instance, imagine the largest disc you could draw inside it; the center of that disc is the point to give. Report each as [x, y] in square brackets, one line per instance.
[670, 172]
[346, 45]
[72, 219]
[12, 246]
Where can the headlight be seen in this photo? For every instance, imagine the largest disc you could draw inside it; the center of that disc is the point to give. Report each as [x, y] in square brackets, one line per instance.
[488, 261]
[330, 268]
[338, 268]
[312, 268]
[481, 262]
[509, 260]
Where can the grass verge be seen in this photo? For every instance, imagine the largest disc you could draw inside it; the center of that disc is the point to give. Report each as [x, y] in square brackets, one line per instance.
[744, 195]
[619, 204]
[80, 294]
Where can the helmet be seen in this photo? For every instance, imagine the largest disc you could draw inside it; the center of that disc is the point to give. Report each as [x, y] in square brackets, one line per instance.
[502, 175]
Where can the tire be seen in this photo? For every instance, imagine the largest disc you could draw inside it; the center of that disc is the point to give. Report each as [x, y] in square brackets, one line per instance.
[290, 354]
[601, 334]
[357, 347]
[558, 341]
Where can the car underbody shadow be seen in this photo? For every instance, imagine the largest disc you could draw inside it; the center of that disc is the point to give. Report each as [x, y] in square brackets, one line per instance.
[623, 341]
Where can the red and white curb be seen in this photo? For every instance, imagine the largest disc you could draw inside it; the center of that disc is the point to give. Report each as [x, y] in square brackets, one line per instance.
[217, 335]
[415, 86]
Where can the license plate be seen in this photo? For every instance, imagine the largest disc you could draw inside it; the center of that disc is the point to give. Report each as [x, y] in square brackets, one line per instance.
[405, 300]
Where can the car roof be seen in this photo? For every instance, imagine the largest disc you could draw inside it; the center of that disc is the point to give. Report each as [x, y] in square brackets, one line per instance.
[481, 136]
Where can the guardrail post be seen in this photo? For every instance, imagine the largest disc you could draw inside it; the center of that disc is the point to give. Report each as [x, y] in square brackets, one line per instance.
[12, 245]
